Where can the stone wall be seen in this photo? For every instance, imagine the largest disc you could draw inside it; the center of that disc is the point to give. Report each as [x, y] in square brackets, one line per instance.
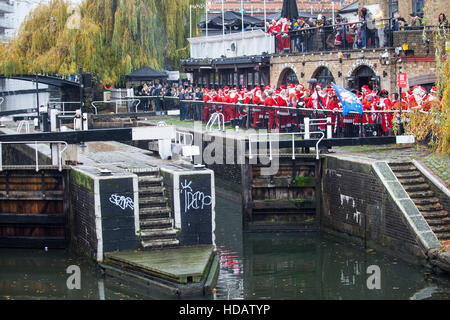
[355, 203]
[419, 64]
[104, 215]
[310, 64]
[82, 215]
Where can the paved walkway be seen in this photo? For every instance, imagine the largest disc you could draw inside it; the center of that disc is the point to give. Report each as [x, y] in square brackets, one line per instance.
[439, 164]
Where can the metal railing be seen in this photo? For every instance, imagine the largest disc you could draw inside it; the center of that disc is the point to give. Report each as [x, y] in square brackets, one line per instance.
[291, 119]
[218, 118]
[278, 135]
[342, 36]
[181, 138]
[36, 143]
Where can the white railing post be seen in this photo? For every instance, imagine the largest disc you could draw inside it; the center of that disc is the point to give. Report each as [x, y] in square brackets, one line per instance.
[307, 132]
[36, 155]
[329, 128]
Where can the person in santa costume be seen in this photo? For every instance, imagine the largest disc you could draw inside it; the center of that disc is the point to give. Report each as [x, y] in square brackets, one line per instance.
[333, 107]
[270, 102]
[283, 120]
[257, 112]
[318, 102]
[385, 104]
[207, 97]
[283, 39]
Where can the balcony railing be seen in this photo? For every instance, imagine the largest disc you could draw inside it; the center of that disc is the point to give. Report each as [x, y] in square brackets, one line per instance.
[6, 7]
[343, 36]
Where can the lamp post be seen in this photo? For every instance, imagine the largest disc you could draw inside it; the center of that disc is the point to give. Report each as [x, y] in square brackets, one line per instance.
[400, 122]
[38, 125]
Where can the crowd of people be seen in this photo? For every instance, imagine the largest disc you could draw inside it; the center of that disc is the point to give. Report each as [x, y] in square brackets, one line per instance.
[289, 104]
[322, 34]
[285, 107]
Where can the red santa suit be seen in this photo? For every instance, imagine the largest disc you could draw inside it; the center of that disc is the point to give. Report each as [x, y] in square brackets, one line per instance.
[386, 118]
[270, 111]
[318, 101]
[283, 39]
[282, 112]
[207, 108]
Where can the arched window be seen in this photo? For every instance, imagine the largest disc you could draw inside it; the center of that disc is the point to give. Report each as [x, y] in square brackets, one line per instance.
[323, 76]
[363, 76]
[288, 76]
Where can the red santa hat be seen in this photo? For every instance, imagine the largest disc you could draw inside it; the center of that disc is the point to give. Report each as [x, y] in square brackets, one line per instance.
[433, 90]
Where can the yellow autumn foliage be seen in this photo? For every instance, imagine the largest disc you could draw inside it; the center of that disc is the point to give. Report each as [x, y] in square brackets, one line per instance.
[109, 38]
[434, 127]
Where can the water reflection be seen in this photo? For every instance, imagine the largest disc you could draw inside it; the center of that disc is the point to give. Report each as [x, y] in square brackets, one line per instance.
[252, 266]
[295, 266]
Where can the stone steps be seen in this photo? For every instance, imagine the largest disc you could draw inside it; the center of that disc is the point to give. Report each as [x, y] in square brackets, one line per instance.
[421, 194]
[424, 198]
[429, 208]
[154, 212]
[158, 234]
[440, 229]
[408, 174]
[435, 214]
[414, 181]
[400, 167]
[156, 224]
[425, 201]
[438, 221]
[443, 236]
[417, 187]
[150, 181]
[152, 202]
[159, 244]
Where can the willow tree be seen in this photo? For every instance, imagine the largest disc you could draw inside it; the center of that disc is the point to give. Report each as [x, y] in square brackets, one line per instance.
[110, 38]
[433, 127]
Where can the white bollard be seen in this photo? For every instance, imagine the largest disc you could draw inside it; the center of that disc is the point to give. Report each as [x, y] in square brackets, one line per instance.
[54, 120]
[307, 132]
[85, 121]
[329, 128]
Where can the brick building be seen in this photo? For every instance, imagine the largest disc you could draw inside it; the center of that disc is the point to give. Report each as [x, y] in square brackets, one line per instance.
[256, 7]
[238, 63]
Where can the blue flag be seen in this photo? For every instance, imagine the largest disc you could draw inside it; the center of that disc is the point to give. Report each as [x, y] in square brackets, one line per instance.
[349, 100]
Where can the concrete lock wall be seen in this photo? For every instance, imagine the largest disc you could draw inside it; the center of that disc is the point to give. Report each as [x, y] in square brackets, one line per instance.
[359, 201]
[104, 212]
[192, 199]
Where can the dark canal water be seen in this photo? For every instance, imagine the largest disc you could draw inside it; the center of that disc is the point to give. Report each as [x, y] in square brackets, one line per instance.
[253, 266]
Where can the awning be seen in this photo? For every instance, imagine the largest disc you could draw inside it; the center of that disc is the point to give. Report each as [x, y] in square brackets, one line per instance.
[144, 74]
[232, 19]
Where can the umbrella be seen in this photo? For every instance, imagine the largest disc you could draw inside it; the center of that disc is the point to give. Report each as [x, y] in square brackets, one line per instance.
[277, 16]
[232, 19]
[290, 10]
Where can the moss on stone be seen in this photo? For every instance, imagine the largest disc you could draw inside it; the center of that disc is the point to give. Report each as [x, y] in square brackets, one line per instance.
[81, 179]
[303, 181]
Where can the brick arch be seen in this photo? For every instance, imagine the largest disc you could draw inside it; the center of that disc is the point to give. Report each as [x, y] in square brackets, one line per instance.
[283, 73]
[320, 69]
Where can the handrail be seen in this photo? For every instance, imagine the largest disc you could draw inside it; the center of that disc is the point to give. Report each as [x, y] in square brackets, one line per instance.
[289, 108]
[183, 134]
[36, 151]
[21, 124]
[293, 134]
[216, 117]
[116, 101]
